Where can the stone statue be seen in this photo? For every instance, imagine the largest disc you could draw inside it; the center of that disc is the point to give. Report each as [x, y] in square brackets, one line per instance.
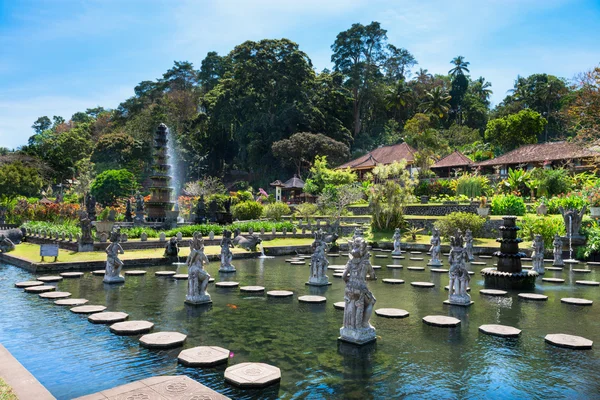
[318, 261]
[113, 263]
[247, 242]
[572, 219]
[6, 245]
[469, 245]
[227, 205]
[139, 209]
[226, 254]
[172, 248]
[396, 239]
[357, 233]
[197, 276]
[90, 207]
[558, 248]
[459, 275]
[213, 208]
[537, 257]
[128, 215]
[86, 239]
[436, 248]
[359, 301]
[200, 211]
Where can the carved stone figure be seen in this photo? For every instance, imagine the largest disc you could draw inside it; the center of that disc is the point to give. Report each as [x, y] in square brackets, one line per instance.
[396, 239]
[226, 254]
[200, 211]
[557, 251]
[90, 207]
[86, 242]
[113, 263]
[139, 209]
[197, 276]
[172, 248]
[318, 261]
[436, 248]
[6, 245]
[128, 214]
[359, 301]
[459, 275]
[537, 257]
[572, 219]
[469, 245]
[247, 242]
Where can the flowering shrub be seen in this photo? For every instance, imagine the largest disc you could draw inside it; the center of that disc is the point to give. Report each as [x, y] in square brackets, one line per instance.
[574, 200]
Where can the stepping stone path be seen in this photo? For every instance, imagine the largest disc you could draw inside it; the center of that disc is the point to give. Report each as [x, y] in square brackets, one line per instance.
[500, 330]
[50, 278]
[334, 267]
[312, 299]
[553, 280]
[593, 263]
[71, 274]
[28, 284]
[228, 284]
[333, 255]
[526, 259]
[575, 301]
[448, 288]
[533, 296]
[416, 258]
[108, 317]
[493, 292]
[165, 273]
[203, 356]
[581, 271]
[135, 272]
[439, 270]
[40, 289]
[569, 341]
[416, 252]
[394, 266]
[280, 293]
[415, 268]
[568, 261]
[340, 305]
[588, 283]
[252, 289]
[338, 275]
[478, 263]
[180, 276]
[71, 302]
[381, 256]
[376, 266]
[163, 340]
[471, 272]
[87, 309]
[398, 257]
[392, 313]
[298, 263]
[423, 284]
[99, 272]
[553, 268]
[393, 281]
[55, 295]
[289, 260]
[252, 375]
[131, 327]
[488, 257]
[441, 321]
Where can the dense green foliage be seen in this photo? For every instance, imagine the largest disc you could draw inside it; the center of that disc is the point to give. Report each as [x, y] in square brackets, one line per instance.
[449, 225]
[53, 228]
[111, 184]
[567, 201]
[539, 225]
[388, 196]
[472, 185]
[276, 210]
[17, 179]
[247, 210]
[515, 130]
[507, 204]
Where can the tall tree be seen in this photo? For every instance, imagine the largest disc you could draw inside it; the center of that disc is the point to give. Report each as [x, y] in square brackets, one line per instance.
[583, 114]
[41, 124]
[515, 130]
[460, 84]
[437, 102]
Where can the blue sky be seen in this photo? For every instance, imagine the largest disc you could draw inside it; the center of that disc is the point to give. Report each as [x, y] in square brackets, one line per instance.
[62, 56]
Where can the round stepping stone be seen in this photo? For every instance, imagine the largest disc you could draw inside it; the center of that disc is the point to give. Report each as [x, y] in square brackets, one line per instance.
[55, 295]
[227, 284]
[50, 278]
[422, 284]
[71, 302]
[499, 330]
[471, 272]
[588, 283]
[416, 258]
[376, 266]
[533, 296]
[593, 263]
[569, 341]
[386, 250]
[493, 292]
[527, 267]
[484, 256]
[392, 313]
[71, 274]
[180, 276]
[252, 289]
[99, 272]
[415, 268]
[131, 327]
[581, 271]
[135, 272]
[575, 301]
[298, 263]
[394, 266]
[381, 256]
[252, 375]
[338, 275]
[279, 293]
[553, 280]
[340, 305]
[333, 255]
[87, 309]
[398, 257]
[478, 263]
[393, 281]
[312, 299]
[526, 259]
[553, 268]
[40, 289]
[211, 280]
[162, 340]
[448, 288]
[441, 321]
[203, 356]
[289, 260]
[567, 261]
[25, 284]
[165, 273]
[416, 252]
[334, 267]
[439, 270]
[108, 317]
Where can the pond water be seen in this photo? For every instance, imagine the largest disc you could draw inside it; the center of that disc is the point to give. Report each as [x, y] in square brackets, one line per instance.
[73, 357]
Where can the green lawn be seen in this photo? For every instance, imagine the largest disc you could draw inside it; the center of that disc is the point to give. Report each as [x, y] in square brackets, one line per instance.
[6, 392]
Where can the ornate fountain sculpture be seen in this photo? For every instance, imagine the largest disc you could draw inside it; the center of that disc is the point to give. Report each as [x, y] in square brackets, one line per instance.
[459, 275]
[396, 239]
[114, 265]
[469, 245]
[160, 205]
[318, 261]
[572, 219]
[557, 251]
[198, 278]
[435, 249]
[226, 254]
[509, 273]
[537, 257]
[359, 300]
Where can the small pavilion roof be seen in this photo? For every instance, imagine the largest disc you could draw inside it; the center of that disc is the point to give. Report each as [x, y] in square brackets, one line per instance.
[277, 183]
[542, 152]
[456, 159]
[382, 155]
[294, 183]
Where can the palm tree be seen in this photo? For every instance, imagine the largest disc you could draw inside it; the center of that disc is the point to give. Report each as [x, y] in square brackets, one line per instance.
[437, 102]
[398, 96]
[423, 75]
[460, 65]
[482, 88]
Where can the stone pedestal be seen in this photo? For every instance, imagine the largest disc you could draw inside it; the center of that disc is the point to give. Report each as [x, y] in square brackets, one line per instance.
[358, 336]
[113, 279]
[198, 300]
[227, 268]
[318, 281]
[85, 247]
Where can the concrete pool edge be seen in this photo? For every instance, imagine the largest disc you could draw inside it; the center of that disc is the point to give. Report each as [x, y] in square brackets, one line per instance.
[22, 382]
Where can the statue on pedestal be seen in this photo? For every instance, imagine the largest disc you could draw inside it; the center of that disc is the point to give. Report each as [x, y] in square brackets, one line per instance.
[172, 248]
[128, 214]
[226, 254]
[436, 248]
[557, 251]
[113, 263]
[90, 207]
[396, 239]
[469, 245]
[359, 301]
[318, 261]
[197, 276]
[86, 242]
[572, 219]
[537, 257]
[139, 209]
[200, 211]
[459, 275]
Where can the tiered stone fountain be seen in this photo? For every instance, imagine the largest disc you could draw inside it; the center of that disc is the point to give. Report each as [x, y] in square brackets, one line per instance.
[509, 273]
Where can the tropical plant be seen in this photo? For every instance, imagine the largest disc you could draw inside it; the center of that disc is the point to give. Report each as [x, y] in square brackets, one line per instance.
[462, 221]
[547, 226]
[507, 204]
[390, 192]
[472, 185]
[306, 210]
[276, 210]
[592, 245]
[551, 182]
[460, 66]
[246, 210]
[575, 200]
[515, 183]
[413, 231]
[437, 102]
